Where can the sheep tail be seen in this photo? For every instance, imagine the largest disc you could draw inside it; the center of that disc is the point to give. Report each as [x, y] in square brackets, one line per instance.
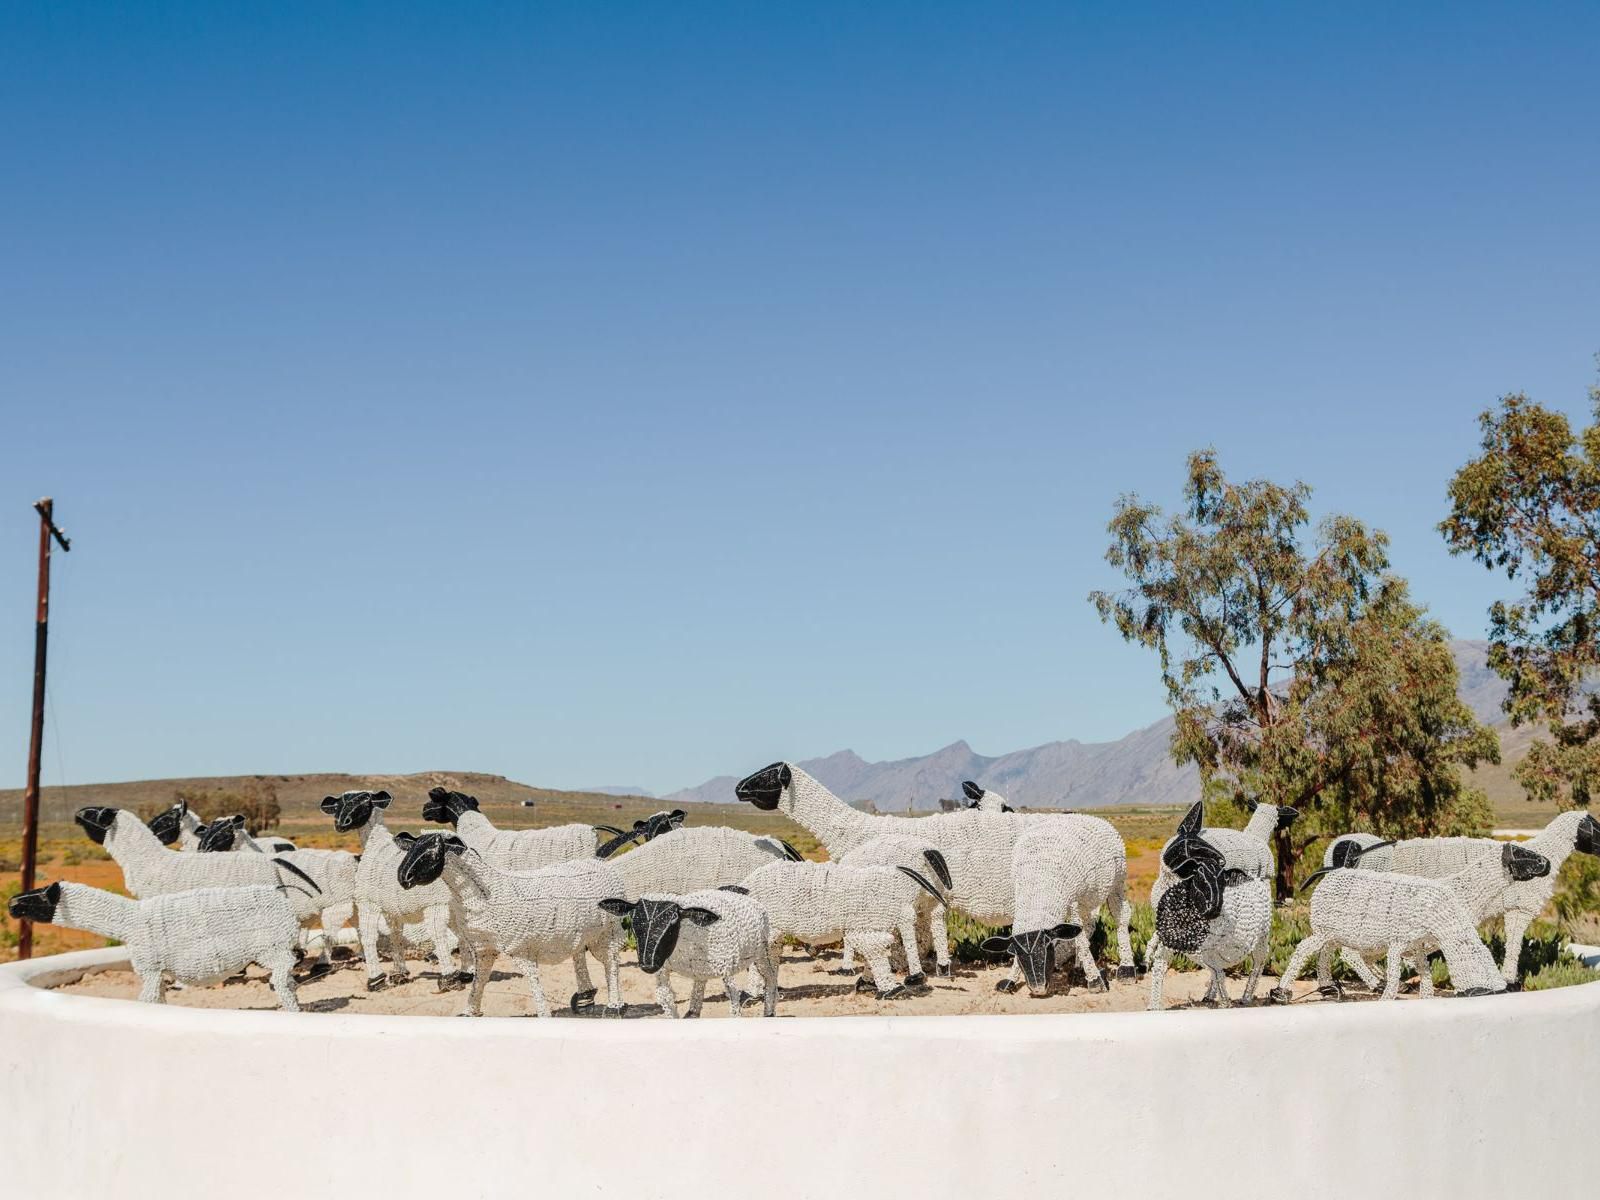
[940, 867]
[790, 852]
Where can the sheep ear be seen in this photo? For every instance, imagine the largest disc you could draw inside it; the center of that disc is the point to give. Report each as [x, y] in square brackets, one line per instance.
[405, 840]
[617, 908]
[455, 844]
[53, 892]
[995, 945]
[1252, 804]
[381, 799]
[677, 817]
[1193, 819]
[790, 852]
[940, 868]
[329, 805]
[438, 793]
[701, 916]
[1066, 932]
[1007, 808]
[973, 791]
[922, 883]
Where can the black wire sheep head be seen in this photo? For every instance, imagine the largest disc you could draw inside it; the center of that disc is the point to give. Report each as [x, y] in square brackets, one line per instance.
[444, 807]
[1034, 950]
[96, 822]
[425, 856]
[765, 788]
[1523, 864]
[1286, 816]
[168, 823]
[37, 905]
[352, 810]
[656, 924]
[1587, 840]
[221, 835]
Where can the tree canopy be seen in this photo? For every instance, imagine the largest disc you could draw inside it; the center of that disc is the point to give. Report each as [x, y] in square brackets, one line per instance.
[1297, 667]
[1529, 504]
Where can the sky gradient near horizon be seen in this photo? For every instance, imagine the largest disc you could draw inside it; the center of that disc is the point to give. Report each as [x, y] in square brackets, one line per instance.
[601, 394]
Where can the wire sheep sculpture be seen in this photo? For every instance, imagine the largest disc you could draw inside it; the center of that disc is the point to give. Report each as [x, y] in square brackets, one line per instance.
[509, 849]
[707, 934]
[533, 917]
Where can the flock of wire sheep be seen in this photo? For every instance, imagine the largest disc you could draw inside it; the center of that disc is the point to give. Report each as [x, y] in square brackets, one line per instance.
[712, 902]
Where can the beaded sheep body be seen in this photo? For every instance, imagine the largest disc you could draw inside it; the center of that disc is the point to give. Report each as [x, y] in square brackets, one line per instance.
[1216, 914]
[1518, 901]
[380, 900]
[865, 907]
[1058, 875]
[508, 849]
[196, 937]
[896, 850]
[533, 917]
[977, 845]
[695, 859]
[1406, 916]
[704, 935]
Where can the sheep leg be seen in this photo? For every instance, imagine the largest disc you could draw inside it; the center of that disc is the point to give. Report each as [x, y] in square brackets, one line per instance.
[1424, 978]
[1121, 908]
[939, 932]
[584, 996]
[697, 996]
[608, 955]
[1391, 987]
[399, 971]
[908, 943]
[283, 983]
[1313, 944]
[1361, 967]
[1258, 963]
[1092, 978]
[441, 921]
[664, 996]
[874, 948]
[1218, 992]
[769, 977]
[1325, 983]
[367, 932]
[1516, 926]
[735, 998]
[1157, 970]
[535, 986]
[480, 982]
[153, 987]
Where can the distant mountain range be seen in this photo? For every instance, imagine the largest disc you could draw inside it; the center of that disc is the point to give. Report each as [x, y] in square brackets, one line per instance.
[1136, 769]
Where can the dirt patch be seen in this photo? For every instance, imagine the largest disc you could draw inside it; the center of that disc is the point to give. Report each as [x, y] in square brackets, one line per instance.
[808, 988]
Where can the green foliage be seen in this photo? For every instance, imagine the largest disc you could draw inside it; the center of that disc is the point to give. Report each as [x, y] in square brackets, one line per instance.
[1562, 974]
[1529, 505]
[1298, 673]
[9, 936]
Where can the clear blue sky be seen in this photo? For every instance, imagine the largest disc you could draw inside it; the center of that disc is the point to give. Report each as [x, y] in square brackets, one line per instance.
[602, 394]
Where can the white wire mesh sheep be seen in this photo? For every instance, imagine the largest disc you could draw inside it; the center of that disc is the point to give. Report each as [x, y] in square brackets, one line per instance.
[534, 917]
[707, 934]
[1406, 916]
[195, 937]
[977, 845]
[1519, 902]
[1215, 914]
[380, 899]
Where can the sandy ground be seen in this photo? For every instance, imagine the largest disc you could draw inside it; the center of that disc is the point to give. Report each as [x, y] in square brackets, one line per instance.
[808, 988]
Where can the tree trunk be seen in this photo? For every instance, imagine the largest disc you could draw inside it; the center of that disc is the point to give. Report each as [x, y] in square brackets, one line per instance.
[1287, 856]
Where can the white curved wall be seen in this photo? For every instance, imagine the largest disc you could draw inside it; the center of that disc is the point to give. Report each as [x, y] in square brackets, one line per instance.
[1494, 1097]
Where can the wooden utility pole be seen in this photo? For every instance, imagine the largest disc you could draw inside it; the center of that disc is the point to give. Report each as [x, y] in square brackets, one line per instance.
[41, 639]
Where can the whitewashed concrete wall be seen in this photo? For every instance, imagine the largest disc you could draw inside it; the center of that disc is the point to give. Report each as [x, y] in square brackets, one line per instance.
[1456, 1098]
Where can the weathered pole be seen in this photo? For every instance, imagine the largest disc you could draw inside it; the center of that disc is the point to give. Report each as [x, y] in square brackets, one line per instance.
[41, 640]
